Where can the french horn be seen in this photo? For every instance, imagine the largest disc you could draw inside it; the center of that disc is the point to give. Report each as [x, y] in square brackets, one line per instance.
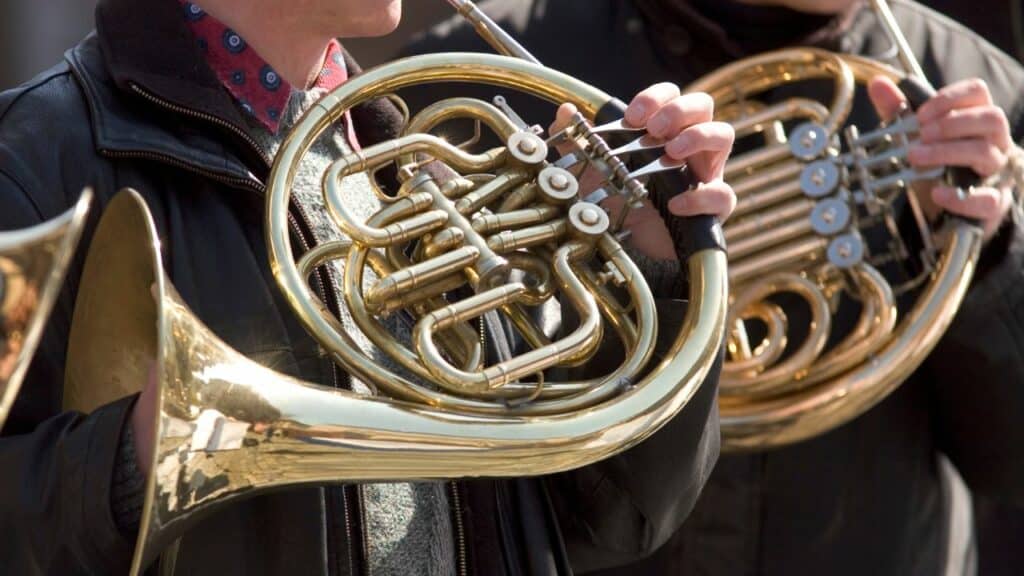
[33, 263]
[816, 222]
[506, 233]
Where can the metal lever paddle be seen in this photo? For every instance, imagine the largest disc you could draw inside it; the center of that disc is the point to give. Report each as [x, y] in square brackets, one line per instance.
[690, 234]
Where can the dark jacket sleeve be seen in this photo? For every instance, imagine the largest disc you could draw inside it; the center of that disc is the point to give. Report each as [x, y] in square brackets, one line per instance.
[55, 511]
[624, 508]
[978, 373]
[977, 370]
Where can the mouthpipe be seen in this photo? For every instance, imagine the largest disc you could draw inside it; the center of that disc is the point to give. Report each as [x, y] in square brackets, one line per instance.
[489, 30]
[916, 86]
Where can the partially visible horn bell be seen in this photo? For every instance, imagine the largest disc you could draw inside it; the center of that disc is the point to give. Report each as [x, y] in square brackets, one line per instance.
[33, 262]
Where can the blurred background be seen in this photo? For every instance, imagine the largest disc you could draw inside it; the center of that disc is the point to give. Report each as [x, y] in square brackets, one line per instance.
[35, 33]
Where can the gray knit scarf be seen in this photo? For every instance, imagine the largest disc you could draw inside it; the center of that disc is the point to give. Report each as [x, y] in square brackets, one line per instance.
[408, 526]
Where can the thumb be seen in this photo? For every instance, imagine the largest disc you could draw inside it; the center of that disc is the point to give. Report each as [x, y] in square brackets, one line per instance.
[562, 118]
[886, 96]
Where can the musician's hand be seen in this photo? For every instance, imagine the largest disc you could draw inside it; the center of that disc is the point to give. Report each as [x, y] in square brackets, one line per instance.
[960, 126]
[685, 123]
[143, 422]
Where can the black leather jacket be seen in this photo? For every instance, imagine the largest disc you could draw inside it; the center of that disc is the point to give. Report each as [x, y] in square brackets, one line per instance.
[866, 498]
[135, 105]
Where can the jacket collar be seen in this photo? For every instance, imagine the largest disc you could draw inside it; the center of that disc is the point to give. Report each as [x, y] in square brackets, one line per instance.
[147, 46]
[151, 94]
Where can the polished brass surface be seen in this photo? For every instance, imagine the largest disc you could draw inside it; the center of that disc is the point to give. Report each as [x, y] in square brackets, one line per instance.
[469, 234]
[228, 427]
[33, 262]
[786, 380]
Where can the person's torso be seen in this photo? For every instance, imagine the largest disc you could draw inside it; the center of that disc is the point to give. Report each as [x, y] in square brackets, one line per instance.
[207, 197]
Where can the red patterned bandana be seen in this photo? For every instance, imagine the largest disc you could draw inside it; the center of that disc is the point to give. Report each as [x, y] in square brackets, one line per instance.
[254, 84]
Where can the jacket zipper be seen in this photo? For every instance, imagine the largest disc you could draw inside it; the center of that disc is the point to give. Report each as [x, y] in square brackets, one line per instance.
[361, 511]
[298, 221]
[462, 563]
[297, 217]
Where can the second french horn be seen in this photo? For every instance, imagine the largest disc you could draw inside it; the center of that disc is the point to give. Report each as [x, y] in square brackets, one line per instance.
[818, 222]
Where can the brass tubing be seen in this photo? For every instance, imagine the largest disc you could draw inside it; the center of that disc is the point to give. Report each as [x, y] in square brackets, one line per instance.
[443, 241]
[770, 349]
[489, 30]
[487, 193]
[785, 174]
[877, 321]
[492, 223]
[775, 194]
[415, 225]
[461, 342]
[770, 238]
[637, 356]
[809, 249]
[779, 378]
[457, 187]
[421, 274]
[518, 198]
[755, 424]
[903, 51]
[603, 389]
[575, 394]
[423, 295]
[804, 108]
[376, 156]
[377, 334]
[544, 287]
[533, 335]
[489, 267]
[462, 108]
[738, 343]
[758, 222]
[380, 337]
[747, 163]
[585, 337]
[510, 240]
[766, 71]
[437, 148]
[614, 313]
[562, 393]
